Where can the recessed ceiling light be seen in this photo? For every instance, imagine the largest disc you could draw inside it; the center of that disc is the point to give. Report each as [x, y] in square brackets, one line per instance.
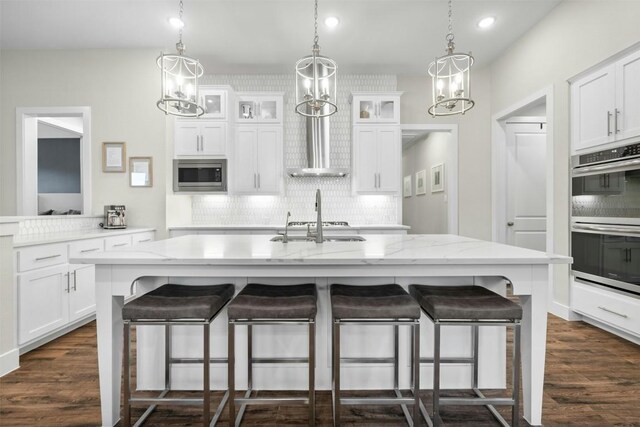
[331, 21]
[176, 22]
[486, 22]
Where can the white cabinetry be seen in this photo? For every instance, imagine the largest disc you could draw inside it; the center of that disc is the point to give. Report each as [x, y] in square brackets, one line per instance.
[207, 135]
[258, 159]
[376, 158]
[200, 137]
[55, 296]
[258, 107]
[605, 106]
[373, 107]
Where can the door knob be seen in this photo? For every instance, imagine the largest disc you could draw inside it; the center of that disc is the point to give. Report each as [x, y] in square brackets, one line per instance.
[510, 224]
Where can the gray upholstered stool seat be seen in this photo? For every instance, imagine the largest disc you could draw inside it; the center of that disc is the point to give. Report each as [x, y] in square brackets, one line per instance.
[464, 302]
[171, 305]
[472, 306]
[372, 302]
[172, 302]
[375, 305]
[259, 305]
[258, 301]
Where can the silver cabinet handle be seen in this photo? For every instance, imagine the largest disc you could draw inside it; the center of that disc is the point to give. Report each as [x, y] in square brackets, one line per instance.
[255, 181]
[144, 240]
[119, 244]
[67, 289]
[379, 180]
[612, 312]
[89, 250]
[42, 258]
[615, 120]
[258, 180]
[75, 281]
[608, 122]
[375, 180]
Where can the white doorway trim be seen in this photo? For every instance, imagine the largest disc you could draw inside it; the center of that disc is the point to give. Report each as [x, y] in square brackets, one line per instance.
[451, 168]
[499, 169]
[26, 197]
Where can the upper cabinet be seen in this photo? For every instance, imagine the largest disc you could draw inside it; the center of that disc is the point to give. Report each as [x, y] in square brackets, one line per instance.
[258, 108]
[605, 106]
[214, 102]
[205, 136]
[374, 107]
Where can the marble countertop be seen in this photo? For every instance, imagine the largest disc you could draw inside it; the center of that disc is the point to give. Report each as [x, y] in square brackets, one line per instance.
[377, 249]
[43, 238]
[281, 227]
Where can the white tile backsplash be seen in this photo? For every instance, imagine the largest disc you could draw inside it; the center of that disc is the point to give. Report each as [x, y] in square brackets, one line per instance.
[58, 224]
[338, 202]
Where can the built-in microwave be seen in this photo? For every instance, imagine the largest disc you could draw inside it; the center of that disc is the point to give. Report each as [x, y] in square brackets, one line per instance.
[200, 175]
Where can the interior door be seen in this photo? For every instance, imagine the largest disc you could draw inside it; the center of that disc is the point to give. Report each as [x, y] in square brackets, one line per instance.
[526, 185]
[268, 150]
[245, 154]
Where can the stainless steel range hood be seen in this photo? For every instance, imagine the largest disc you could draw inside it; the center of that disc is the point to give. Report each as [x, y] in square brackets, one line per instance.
[318, 148]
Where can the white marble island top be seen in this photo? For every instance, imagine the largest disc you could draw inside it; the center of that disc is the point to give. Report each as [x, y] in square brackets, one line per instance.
[377, 249]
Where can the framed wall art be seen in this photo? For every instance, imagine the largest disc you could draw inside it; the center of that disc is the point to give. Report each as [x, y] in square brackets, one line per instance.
[437, 178]
[141, 172]
[421, 182]
[113, 157]
[406, 188]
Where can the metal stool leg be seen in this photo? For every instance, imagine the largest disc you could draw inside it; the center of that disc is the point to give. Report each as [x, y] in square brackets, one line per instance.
[127, 375]
[312, 373]
[515, 415]
[336, 373]
[231, 376]
[475, 334]
[415, 372]
[436, 374]
[206, 362]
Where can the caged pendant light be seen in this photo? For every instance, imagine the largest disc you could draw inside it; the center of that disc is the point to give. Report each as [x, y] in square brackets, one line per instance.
[451, 89]
[316, 81]
[180, 74]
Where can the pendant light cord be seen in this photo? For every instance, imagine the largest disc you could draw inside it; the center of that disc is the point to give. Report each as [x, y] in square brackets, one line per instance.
[315, 17]
[180, 30]
[449, 37]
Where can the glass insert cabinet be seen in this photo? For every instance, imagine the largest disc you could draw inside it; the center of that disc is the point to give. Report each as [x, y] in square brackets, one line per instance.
[214, 102]
[257, 108]
[375, 107]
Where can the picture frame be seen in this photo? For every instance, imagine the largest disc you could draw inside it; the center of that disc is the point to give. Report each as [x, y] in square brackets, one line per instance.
[114, 156]
[406, 189]
[141, 171]
[421, 182]
[437, 178]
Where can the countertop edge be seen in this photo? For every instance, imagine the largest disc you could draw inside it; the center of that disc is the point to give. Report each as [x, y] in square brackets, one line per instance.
[40, 239]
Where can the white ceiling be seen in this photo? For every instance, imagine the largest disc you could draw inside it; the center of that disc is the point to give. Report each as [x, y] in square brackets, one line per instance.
[374, 36]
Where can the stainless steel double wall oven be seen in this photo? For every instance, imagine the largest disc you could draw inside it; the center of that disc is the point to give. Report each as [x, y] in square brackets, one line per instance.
[605, 224]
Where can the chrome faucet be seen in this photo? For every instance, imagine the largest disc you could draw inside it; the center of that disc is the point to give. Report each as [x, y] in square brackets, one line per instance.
[318, 233]
[285, 236]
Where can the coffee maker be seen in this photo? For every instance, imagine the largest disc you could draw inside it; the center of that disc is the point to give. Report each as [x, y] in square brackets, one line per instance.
[114, 216]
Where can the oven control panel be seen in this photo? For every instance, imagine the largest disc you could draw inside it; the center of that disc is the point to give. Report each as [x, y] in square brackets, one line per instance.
[613, 154]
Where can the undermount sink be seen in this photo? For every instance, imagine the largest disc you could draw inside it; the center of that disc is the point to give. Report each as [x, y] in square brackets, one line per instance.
[279, 238]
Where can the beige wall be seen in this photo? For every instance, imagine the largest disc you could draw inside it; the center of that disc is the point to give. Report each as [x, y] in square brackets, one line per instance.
[474, 147]
[121, 87]
[573, 37]
[426, 213]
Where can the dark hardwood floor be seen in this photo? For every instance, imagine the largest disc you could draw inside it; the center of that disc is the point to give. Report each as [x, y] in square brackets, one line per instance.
[592, 379]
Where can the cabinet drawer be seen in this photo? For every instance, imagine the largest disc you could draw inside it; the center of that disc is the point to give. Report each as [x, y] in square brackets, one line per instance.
[610, 307]
[143, 237]
[115, 242]
[82, 247]
[41, 256]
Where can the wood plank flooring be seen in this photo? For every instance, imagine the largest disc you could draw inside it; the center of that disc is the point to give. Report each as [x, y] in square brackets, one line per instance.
[592, 379]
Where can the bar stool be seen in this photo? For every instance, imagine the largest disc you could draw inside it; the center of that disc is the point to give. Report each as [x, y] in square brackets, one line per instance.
[375, 305]
[473, 306]
[175, 305]
[259, 304]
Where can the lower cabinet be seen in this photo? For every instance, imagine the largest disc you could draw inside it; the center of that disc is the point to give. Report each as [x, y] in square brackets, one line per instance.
[51, 298]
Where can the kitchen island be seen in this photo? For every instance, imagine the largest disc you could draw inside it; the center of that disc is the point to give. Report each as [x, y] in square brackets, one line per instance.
[404, 259]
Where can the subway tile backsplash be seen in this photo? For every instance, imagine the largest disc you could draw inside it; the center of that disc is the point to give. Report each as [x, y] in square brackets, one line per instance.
[338, 202]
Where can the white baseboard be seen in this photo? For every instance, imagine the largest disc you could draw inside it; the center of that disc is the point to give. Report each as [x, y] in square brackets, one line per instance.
[563, 311]
[9, 361]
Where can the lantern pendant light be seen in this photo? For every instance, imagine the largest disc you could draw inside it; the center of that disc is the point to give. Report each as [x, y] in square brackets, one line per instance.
[316, 81]
[450, 77]
[180, 74]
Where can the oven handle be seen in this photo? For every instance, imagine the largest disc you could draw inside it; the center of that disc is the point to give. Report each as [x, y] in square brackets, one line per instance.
[615, 229]
[608, 167]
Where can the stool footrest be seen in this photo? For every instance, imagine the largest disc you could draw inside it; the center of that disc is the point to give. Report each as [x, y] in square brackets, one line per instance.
[367, 360]
[280, 360]
[377, 400]
[479, 401]
[448, 360]
[186, 360]
[272, 400]
[166, 401]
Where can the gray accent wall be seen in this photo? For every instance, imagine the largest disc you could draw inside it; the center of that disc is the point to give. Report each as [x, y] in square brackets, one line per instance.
[59, 165]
